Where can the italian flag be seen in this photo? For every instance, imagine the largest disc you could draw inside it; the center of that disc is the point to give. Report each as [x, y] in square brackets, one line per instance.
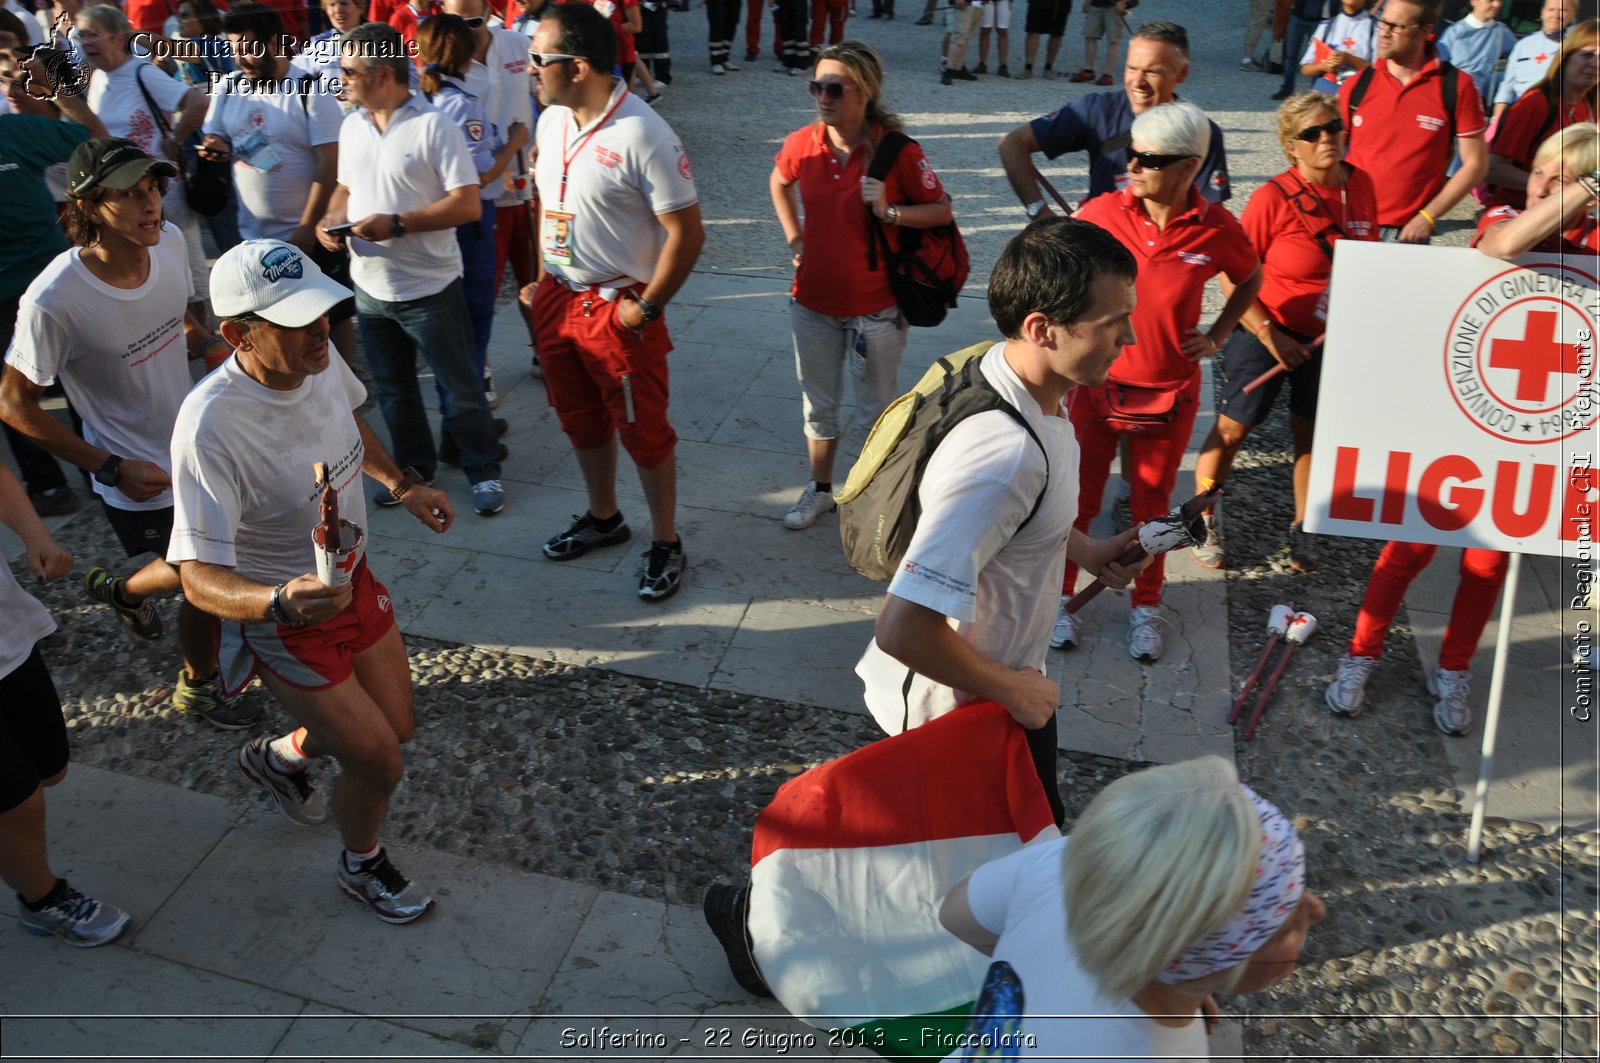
[852, 859]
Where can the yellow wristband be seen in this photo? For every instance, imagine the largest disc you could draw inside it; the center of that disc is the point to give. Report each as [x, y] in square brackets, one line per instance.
[1431, 222]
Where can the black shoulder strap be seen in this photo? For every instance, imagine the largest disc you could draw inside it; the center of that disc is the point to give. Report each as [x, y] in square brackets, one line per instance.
[1552, 111]
[155, 112]
[1449, 88]
[302, 86]
[1319, 235]
[883, 160]
[1120, 142]
[1359, 89]
[973, 376]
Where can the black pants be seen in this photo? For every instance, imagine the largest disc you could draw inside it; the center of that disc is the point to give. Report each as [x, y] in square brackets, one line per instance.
[883, 8]
[652, 41]
[39, 470]
[1042, 744]
[722, 22]
[792, 23]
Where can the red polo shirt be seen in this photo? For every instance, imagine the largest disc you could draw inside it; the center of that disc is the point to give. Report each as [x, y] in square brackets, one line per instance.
[1582, 239]
[1401, 133]
[833, 277]
[1516, 135]
[1294, 267]
[1174, 265]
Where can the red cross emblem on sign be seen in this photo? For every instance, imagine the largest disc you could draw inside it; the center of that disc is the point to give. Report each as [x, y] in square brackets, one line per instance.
[1535, 357]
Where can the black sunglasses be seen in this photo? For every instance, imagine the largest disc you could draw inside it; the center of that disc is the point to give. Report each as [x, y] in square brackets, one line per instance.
[834, 90]
[1154, 160]
[1312, 134]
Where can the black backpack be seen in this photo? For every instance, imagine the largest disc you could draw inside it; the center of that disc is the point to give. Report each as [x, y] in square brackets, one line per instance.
[1448, 87]
[932, 265]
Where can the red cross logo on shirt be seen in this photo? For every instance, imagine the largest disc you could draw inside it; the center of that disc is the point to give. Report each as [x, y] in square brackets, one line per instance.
[1535, 357]
[1349, 43]
[1542, 57]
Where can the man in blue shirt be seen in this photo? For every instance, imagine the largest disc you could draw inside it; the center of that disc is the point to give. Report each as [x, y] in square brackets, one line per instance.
[1158, 62]
[1531, 57]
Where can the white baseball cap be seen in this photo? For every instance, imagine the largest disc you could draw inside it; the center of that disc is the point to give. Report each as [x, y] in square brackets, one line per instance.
[275, 281]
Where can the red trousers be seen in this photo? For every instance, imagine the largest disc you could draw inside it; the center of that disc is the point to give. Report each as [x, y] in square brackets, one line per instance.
[513, 242]
[755, 16]
[1482, 573]
[833, 12]
[1156, 457]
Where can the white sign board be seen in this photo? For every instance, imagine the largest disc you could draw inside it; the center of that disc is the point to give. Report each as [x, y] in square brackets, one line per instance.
[1458, 399]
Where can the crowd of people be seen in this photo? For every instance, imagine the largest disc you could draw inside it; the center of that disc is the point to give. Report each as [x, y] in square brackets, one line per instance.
[366, 185]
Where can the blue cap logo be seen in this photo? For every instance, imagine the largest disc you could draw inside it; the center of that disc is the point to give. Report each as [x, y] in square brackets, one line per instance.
[282, 262]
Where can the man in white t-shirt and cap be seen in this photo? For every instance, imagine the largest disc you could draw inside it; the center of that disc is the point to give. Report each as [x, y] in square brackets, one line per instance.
[406, 180]
[247, 505]
[619, 232]
[108, 319]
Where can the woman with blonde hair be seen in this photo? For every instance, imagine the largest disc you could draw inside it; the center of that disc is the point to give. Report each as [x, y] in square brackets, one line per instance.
[1176, 883]
[1294, 220]
[1563, 190]
[843, 312]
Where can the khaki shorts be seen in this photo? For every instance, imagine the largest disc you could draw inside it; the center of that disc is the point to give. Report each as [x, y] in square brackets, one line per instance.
[1102, 22]
[964, 23]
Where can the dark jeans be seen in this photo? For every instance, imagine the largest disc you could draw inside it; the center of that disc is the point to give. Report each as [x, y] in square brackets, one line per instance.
[438, 326]
[39, 470]
[1294, 46]
[652, 41]
[722, 22]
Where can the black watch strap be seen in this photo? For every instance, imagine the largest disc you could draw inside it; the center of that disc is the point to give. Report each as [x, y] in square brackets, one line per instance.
[648, 311]
[108, 471]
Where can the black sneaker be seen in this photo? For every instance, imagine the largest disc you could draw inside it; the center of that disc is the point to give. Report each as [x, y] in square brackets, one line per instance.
[53, 501]
[584, 535]
[662, 571]
[981, 68]
[141, 619]
[963, 75]
[726, 910]
[450, 453]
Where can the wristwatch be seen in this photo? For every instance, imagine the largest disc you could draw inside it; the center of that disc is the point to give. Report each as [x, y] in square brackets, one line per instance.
[648, 311]
[1033, 209]
[396, 226]
[409, 478]
[108, 472]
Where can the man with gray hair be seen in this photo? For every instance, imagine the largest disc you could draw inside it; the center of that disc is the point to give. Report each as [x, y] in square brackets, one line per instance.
[1099, 123]
[406, 180]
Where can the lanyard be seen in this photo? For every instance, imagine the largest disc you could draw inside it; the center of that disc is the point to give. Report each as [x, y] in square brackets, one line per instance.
[567, 160]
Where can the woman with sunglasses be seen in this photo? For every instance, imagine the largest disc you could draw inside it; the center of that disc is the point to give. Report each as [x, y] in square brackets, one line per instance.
[1150, 399]
[1563, 192]
[1294, 221]
[843, 311]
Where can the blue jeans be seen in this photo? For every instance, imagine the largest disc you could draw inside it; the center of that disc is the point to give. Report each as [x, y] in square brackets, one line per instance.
[1295, 38]
[437, 325]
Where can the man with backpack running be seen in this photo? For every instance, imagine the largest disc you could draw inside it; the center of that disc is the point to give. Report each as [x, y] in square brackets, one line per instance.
[1413, 109]
[969, 611]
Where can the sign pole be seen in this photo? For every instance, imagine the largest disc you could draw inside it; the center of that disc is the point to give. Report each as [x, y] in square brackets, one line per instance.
[1491, 723]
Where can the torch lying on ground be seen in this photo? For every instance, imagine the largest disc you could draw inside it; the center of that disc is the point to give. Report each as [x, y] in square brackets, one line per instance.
[1183, 527]
[1300, 628]
[1277, 623]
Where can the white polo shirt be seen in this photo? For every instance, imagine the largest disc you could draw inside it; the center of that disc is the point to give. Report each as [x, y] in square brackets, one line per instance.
[622, 171]
[502, 84]
[415, 162]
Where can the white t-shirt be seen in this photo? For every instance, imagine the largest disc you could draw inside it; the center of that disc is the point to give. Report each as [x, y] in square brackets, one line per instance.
[1356, 34]
[119, 352]
[502, 84]
[1020, 898]
[274, 129]
[243, 492]
[632, 168]
[971, 559]
[23, 622]
[420, 157]
[117, 101]
[1526, 65]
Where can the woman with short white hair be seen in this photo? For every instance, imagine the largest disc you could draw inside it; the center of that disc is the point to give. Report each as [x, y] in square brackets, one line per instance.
[1176, 883]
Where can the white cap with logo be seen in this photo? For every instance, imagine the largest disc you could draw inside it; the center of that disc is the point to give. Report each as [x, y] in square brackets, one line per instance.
[275, 281]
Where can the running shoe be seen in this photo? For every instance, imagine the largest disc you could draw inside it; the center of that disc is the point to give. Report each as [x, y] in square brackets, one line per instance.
[293, 794]
[378, 885]
[204, 698]
[141, 619]
[80, 921]
[1348, 691]
[662, 571]
[584, 535]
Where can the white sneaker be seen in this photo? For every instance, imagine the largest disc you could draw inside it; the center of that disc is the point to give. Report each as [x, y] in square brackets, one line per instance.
[490, 396]
[1065, 634]
[1144, 637]
[719, 69]
[812, 504]
[1348, 690]
[1450, 690]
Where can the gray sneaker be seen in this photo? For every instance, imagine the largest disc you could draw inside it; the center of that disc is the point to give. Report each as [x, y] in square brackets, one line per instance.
[1450, 690]
[391, 896]
[291, 793]
[1348, 691]
[584, 535]
[811, 505]
[80, 921]
[1208, 554]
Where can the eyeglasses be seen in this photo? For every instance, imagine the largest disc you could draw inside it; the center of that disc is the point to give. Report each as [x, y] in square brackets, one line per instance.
[348, 72]
[1312, 134]
[1395, 27]
[540, 60]
[834, 90]
[1154, 160]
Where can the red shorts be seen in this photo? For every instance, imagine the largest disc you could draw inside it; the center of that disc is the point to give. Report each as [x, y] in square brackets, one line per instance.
[311, 658]
[600, 377]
